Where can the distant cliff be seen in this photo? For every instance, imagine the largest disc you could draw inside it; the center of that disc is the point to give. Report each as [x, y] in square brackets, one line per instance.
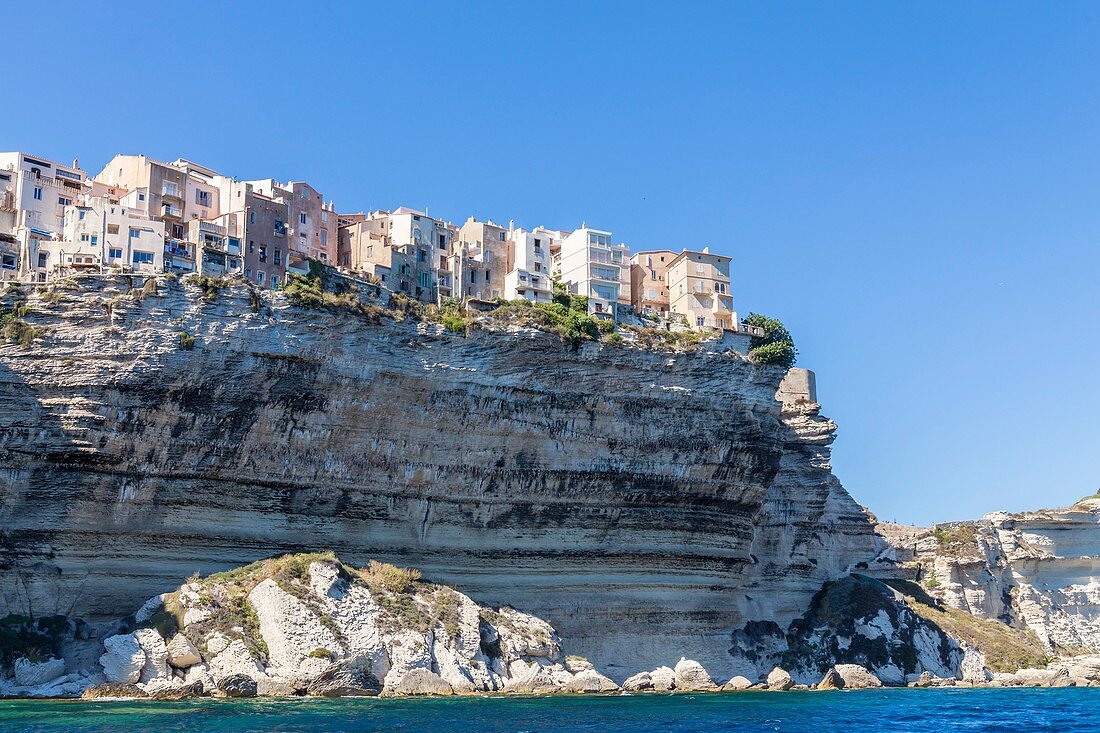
[1038, 570]
[647, 504]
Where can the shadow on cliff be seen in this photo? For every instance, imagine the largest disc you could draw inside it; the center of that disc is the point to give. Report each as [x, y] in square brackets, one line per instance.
[34, 451]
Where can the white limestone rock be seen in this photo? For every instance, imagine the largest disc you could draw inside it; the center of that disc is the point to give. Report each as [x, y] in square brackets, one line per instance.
[856, 677]
[182, 653]
[34, 674]
[737, 683]
[289, 628]
[407, 650]
[780, 679]
[589, 680]
[663, 679]
[122, 660]
[155, 653]
[419, 681]
[640, 682]
[690, 677]
[235, 659]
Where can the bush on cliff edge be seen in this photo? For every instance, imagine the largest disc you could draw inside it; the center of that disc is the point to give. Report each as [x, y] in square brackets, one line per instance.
[775, 347]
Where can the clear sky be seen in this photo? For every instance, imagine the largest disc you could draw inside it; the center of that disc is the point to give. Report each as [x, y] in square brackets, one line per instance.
[912, 188]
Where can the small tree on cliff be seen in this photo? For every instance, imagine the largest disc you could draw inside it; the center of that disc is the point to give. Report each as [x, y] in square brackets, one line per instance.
[776, 345]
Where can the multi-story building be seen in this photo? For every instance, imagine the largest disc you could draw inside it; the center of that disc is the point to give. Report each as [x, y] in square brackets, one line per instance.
[34, 192]
[407, 249]
[266, 234]
[590, 265]
[699, 288]
[102, 232]
[312, 224]
[529, 276]
[649, 280]
[480, 260]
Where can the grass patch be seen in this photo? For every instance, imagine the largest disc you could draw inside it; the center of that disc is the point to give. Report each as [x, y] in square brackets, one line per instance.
[209, 285]
[959, 541]
[1006, 649]
[658, 339]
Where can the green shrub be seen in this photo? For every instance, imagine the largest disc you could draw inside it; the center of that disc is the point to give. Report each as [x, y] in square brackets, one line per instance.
[321, 653]
[186, 341]
[210, 285]
[454, 324]
[606, 326]
[775, 347]
[389, 578]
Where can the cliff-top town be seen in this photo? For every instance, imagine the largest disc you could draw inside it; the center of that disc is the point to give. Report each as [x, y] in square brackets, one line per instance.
[146, 216]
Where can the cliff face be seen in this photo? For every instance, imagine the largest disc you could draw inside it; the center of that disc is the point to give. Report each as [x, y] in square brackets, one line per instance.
[648, 505]
[1034, 570]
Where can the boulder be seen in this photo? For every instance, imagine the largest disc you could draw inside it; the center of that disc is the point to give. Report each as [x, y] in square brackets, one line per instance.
[577, 664]
[831, 681]
[182, 692]
[691, 677]
[235, 658]
[277, 687]
[925, 680]
[1032, 677]
[1063, 680]
[182, 653]
[589, 680]
[530, 679]
[638, 683]
[663, 679]
[422, 682]
[155, 663]
[33, 674]
[344, 679]
[289, 627]
[856, 677]
[115, 690]
[122, 660]
[236, 685]
[737, 684]
[780, 679]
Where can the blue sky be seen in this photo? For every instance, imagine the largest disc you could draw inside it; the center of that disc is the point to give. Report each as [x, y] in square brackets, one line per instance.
[912, 188]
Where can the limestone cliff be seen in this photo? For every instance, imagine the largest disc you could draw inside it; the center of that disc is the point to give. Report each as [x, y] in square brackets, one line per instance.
[610, 490]
[1033, 570]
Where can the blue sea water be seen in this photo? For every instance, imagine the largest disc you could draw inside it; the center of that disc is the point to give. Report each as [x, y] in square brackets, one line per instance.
[865, 711]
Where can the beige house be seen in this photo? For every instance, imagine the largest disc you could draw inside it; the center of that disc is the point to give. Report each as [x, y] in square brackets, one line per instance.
[481, 260]
[312, 225]
[699, 289]
[407, 250]
[649, 280]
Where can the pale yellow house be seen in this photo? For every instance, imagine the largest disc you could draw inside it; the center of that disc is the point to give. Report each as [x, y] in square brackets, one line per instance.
[699, 289]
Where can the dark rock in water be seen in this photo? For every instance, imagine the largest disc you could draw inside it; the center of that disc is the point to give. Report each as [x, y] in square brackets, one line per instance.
[344, 680]
[237, 685]
[109, 689]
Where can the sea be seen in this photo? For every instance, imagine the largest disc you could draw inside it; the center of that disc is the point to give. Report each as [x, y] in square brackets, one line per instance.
[866, 711]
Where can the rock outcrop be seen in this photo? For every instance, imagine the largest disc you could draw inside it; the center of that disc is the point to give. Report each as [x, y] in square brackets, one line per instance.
[1038, 571]
[608, 489]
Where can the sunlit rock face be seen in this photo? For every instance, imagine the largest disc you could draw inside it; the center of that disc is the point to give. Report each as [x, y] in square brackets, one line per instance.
[1039, 570]
[647, 504]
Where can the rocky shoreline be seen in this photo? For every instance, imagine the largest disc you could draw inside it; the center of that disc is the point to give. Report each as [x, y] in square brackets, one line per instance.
[309, 625]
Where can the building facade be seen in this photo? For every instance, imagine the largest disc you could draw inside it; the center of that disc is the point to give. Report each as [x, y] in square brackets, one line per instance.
[699, 287]
[34, 192]
[480, 261]
[590, 264]
[530, 275]
[649, 280]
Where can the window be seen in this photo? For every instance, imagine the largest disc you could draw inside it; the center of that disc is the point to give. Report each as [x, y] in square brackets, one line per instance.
[278, 261]
[62, 201]
[85, 238]
[699, 269]
[280, 228]
[142, 258]
[473, 276]
[134, 233]
[8, 262]
[170, 189]
[442, 241]
[37, 193]
[42, 257]
[502, 237]
[538, 267]
[700, 321]
[274, 281]
[302, 217]
[115, 254]
[425, 279]
[202, 198]
[95, 239]
[251, 246]
[177, 231]
[252, 217]
[141, 197]
[421, 256]
[81, 214]
[538, 245]
[112, 228]
[261, 276]
[651, 293]
[488, 276]
[603, 240]
[248, 272]
[719, 287]
[324, 237]
[370, 250]
[263, 253]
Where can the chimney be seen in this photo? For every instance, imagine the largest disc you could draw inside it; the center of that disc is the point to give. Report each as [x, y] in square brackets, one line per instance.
[706, 250]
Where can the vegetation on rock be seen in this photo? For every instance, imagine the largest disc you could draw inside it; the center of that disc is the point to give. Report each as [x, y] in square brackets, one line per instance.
[776, 346]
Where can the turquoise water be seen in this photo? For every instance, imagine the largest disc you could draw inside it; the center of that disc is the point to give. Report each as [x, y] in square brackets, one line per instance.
[868, 711]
